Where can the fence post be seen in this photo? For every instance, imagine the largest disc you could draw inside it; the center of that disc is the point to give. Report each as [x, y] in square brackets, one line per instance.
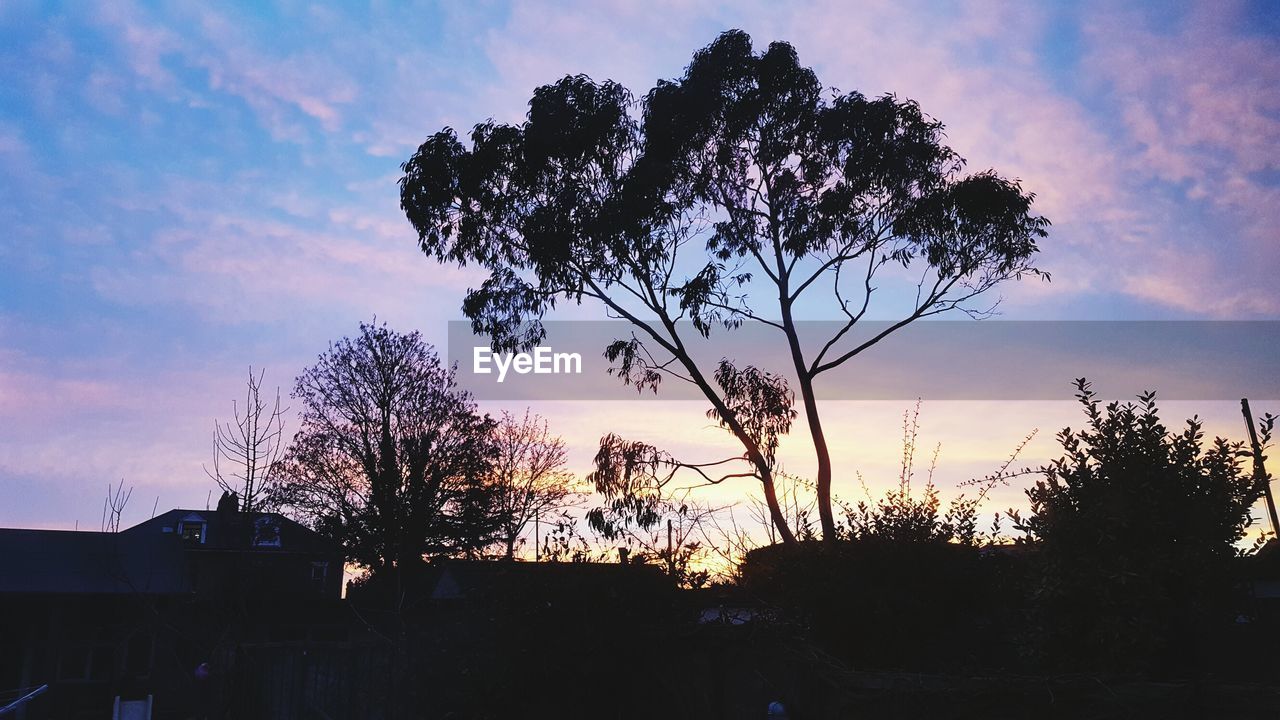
[1259, 470]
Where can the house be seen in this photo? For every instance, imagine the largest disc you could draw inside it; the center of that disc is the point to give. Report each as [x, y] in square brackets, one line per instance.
[99, 615]
[265, 551]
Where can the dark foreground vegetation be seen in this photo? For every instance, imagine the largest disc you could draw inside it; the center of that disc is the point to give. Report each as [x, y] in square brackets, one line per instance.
[1126, 595]
[499, 640]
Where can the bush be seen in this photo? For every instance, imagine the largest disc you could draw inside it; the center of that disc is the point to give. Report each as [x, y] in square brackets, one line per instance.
[924, 606]
[1136, 529]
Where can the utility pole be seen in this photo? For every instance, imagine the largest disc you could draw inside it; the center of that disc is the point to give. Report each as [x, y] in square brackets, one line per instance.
[1259, 471]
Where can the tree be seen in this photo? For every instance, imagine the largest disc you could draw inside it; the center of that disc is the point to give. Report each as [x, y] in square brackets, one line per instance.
[737, 196]
[528, 477]
[391, 457]
[113, 507]
[252, 444]
[1135, 528]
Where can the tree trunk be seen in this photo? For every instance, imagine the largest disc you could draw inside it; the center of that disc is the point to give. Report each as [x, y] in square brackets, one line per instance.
[775, 511]
[825, 514]
[753, 452]
[814, 420]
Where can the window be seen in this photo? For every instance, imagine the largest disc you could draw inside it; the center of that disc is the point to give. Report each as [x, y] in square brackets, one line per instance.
[319, 574]
[192, 529]
[266, 532]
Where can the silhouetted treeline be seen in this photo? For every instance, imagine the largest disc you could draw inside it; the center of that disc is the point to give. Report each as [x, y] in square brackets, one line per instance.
[1130, 564]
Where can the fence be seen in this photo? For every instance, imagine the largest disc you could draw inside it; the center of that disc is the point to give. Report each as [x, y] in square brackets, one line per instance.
[310, 681]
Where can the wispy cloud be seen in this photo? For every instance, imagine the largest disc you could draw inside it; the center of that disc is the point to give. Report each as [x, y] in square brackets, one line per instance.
[278, 87]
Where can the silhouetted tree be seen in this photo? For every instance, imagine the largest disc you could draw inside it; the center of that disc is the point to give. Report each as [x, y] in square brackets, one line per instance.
[1135, 528]
[561, 541]
[391, 457]
[632, 477]
[671, 533]
[113, 507]
[764, 185]
[251, 446]
[528, 478]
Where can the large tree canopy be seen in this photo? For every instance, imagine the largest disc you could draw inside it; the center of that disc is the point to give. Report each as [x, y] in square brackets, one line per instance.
[391, 458]
[730, 194]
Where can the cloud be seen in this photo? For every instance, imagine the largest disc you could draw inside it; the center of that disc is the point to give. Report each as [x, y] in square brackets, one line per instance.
[1202, 102]
[303, 81]
[277, 88]
[246, 268]
[981, 71]
[71, 427]
[1200, 112]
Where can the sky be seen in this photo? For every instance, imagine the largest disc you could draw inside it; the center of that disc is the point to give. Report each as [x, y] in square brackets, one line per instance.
[187, 189]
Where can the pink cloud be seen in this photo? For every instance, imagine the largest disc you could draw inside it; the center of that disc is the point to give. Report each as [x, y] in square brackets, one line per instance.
[77, 426]
[1203, 109]
[275, 88]
[224, 254]
[981, 73]
[1202, 102]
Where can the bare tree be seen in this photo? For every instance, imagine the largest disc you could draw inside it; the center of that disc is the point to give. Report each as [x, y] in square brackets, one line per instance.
[391, 459]
[113, 507]
[528, 476]
[250, 446]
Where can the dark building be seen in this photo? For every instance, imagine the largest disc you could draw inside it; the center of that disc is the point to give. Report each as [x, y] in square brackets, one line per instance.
[155, 609]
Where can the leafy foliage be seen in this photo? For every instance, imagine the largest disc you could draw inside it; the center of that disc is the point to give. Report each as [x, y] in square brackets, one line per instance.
[899, 517]
[629, 476]
[1135, 527]
[760, 402]
[738, 176]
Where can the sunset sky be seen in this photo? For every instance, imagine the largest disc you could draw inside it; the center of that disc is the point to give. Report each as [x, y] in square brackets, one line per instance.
[190, 188]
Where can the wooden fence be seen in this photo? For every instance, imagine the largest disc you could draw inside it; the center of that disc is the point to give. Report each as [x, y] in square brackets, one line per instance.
[310, 681]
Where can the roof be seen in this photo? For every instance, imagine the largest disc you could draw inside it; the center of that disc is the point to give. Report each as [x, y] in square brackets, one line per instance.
[257, 531]
[150, 557]
[63, 561]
